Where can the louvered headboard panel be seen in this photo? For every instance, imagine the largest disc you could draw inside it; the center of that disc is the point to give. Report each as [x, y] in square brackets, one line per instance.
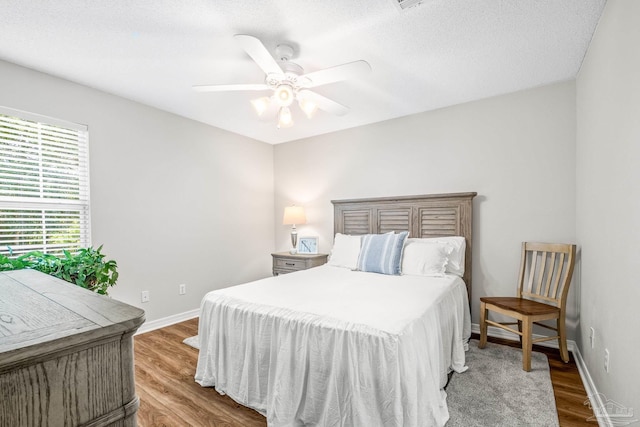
[394, 219]
[435, 222]
[357, 221]
[430, 215]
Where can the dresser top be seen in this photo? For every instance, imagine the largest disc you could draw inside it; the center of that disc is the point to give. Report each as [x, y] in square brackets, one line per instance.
[37, 309]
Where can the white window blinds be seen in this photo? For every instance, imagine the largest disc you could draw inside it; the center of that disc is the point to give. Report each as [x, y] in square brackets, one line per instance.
[44, 184]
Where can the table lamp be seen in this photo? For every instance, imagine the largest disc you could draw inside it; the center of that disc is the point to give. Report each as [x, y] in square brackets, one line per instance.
[294, 215]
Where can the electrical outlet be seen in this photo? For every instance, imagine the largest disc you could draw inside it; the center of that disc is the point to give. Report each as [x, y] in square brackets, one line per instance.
[592, 337]
[182, 289]
[607, 360]
[144, 296]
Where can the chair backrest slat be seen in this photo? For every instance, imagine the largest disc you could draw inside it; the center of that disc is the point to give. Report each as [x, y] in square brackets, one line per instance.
[557, 282]
[523, 264]
[541, 273]
[546, 270]
[532, 270]
[552, 269]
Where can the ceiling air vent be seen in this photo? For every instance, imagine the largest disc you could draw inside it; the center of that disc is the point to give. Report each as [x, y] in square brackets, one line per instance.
[405, 4]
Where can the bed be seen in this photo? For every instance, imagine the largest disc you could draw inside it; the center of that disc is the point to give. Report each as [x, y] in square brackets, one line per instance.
[331, 346]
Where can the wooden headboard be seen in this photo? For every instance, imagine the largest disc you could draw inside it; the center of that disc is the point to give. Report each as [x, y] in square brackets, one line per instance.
[429, 215]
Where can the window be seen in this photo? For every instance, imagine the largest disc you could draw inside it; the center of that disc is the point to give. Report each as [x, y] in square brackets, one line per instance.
[44, 184]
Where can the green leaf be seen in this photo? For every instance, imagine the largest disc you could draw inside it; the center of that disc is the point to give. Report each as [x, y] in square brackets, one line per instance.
[86, 268]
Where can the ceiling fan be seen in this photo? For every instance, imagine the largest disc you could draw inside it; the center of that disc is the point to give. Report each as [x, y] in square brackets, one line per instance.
[288, 82]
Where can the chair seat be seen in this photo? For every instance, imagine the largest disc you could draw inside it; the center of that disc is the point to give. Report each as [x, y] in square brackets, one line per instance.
[521, 305]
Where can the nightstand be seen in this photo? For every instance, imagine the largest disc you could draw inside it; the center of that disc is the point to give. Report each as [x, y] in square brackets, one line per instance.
[284, 262]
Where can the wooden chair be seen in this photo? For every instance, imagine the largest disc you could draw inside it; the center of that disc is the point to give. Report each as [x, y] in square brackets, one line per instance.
[545, 275]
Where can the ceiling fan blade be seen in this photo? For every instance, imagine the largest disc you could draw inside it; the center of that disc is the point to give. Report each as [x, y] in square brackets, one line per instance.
[323, 103]
[337, 73]
[256, 50]
[225, 88]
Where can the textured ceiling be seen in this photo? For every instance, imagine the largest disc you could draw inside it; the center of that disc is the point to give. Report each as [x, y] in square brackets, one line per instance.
[439, 53]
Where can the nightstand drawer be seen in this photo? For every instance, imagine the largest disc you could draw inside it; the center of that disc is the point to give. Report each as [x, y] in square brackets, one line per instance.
[284, 262]
[294, 264]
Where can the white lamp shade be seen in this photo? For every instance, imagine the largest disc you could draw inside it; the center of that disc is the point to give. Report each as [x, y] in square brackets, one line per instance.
[308, 107]
[294, 215]
[284, 118]
[284, 95]
[260, 104]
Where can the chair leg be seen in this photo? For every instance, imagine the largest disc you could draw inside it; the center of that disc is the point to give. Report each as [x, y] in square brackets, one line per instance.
[520, 330]
[527, 327]
[483, 325]
[562, 341]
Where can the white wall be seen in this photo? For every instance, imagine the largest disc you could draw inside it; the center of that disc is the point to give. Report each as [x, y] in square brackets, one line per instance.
[173, 200]
[608, 200]
[516, 151]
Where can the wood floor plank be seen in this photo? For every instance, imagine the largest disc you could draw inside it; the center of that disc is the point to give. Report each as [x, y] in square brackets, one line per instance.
[169, 395]
[165, 369]
[193, 402]
[154, 413]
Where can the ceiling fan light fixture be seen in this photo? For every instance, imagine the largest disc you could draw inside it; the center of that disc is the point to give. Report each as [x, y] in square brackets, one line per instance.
[308, 107]
[284, 118]
[260, 104]
[284, 95]
[288, 82]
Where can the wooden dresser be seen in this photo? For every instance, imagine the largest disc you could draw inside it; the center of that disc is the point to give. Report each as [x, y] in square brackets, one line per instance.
[66, 354]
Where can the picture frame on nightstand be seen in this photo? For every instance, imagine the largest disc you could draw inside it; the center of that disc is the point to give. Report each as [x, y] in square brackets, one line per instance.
[308, 245]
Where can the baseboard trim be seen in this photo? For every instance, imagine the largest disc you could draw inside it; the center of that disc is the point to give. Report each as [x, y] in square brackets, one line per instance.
[596, 398]
[597, 404]
[167, 321]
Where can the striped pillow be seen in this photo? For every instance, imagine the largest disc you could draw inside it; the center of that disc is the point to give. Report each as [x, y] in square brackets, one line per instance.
[382, 253]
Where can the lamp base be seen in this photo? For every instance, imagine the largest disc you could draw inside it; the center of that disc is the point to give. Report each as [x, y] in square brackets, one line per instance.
[294, 240]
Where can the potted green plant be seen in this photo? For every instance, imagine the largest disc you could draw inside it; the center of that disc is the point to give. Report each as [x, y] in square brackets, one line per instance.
[86, 268]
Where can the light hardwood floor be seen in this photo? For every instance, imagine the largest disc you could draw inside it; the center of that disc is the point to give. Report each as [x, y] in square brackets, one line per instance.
[170, 397]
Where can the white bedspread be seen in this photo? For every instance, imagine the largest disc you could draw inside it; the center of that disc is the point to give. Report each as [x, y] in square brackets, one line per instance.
[333, 347]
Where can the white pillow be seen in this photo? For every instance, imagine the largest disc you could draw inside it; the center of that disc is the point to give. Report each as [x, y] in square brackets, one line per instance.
[345, 252]
[456, 258]
[425, 259]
